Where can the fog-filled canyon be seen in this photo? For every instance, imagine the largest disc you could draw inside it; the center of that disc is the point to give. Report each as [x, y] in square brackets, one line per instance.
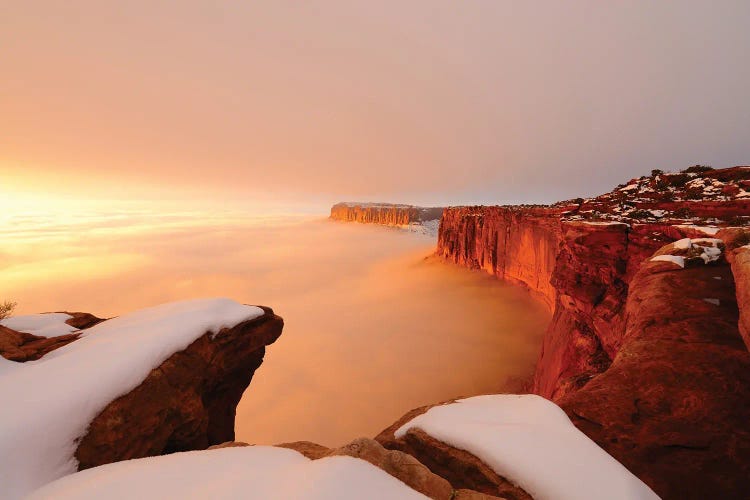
[374, 326]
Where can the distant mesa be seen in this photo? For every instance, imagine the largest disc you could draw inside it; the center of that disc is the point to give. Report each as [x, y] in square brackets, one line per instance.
[389, 214]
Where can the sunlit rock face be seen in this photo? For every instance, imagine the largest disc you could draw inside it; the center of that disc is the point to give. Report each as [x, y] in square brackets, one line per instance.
[644, 348]
[517, 244]
[578, 256]
[384, 213]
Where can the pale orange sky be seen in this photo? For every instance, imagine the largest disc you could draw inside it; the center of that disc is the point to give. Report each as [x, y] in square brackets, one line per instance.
[425, 101]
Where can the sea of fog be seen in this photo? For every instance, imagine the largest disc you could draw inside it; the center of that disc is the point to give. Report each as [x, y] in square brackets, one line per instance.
[374, 326]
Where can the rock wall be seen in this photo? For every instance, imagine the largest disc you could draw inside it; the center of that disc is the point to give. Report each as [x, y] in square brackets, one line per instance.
[384, 213]
[671, 407]
[513, 243]
[579, 256]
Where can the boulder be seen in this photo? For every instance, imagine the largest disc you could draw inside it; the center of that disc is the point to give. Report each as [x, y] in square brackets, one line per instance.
[186, 403]
[462, 469]
[671, 406]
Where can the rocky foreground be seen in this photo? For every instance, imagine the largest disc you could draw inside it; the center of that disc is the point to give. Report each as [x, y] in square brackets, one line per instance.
[152, 382]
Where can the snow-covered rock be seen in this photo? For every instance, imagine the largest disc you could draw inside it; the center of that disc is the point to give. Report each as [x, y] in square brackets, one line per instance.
[49, 404]
[43, 325]
[531, 442]
[254, 472]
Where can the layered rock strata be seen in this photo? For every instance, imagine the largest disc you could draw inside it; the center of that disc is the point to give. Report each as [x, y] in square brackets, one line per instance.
[384, 213]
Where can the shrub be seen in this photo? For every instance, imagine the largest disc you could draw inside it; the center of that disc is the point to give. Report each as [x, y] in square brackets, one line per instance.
[640, 214]
[656, 172]
[6, 309]
[683, 213]
[697, 169]
[694, 193]
[677, 180]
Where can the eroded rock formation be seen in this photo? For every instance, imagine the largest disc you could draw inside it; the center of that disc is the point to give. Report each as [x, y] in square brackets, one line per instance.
[186, 403]
[671, 407]
[646, 357]
[579, 256]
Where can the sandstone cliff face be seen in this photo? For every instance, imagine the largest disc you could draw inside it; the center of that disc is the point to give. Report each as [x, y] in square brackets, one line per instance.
[645, 356]
[671, 407]
[384, 213]
[579, 256]
[513, 243]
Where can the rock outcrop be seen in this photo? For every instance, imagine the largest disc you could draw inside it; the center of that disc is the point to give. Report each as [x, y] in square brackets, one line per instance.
[402, 466]
[578, 256]
[463, 470]
[22, 346]
[737, 241]
[384, 213]
[671, 407]
[186, 403]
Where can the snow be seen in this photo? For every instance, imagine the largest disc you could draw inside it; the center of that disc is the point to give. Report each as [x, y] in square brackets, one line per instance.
[6, 365]
[675, 259]
[48, 404]
[710, 248]
[683, 244]
[712, 301]
[658, 213]
[704, 229]
[531, 441]
[629, 187]
[254, 472]
[44, 325]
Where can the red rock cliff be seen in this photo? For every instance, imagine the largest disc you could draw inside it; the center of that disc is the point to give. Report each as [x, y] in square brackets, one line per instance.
[384, 213]
[579, 256]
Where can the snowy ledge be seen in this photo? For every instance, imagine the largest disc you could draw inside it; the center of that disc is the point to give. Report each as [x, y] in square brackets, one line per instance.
[254, 472]
[706, 249]
[531, 442]
[49, 403]
[43, 325]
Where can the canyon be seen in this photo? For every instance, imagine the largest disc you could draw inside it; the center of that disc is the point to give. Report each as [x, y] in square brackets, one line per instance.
[647, 358]
[645, 355]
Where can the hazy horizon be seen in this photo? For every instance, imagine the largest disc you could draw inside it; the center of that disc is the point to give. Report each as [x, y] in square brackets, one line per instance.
[288, 104]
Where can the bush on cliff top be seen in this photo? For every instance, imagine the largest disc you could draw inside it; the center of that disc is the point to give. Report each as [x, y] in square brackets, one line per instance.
[6, 308]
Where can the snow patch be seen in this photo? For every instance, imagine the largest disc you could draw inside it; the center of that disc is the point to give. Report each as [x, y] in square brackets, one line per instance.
[252, 472]
[709, 230]
[531, 441]
[49, 403]
[675, 259]
[683, 244]
[43, 325]
[715, 302]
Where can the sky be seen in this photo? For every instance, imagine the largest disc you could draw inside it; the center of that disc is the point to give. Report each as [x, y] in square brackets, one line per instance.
[293, 106]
